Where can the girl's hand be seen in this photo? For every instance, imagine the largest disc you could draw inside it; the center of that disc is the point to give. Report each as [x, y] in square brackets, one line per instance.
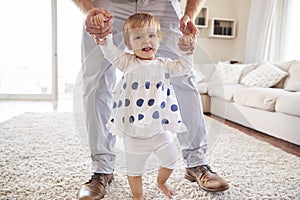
[186, 43]
[99, 20]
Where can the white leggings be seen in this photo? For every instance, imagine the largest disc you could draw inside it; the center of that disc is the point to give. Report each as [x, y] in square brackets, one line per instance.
[138, 150]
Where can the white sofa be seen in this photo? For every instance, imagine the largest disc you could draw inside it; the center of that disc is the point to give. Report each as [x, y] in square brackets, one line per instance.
[228, 92]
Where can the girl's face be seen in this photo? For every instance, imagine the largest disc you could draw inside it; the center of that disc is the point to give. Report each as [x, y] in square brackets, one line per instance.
[144, 42]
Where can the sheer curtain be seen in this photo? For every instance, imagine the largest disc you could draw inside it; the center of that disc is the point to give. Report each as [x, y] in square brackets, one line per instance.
[259, 30]
[272, 33]
[290, 37]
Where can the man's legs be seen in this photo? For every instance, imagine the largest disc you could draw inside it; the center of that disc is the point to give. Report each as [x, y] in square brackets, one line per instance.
[98, 81]
[98, 78]
[193, 144]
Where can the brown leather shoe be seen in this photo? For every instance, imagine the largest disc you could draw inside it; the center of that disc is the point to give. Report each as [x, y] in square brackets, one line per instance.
[94, 189]
[206, 179]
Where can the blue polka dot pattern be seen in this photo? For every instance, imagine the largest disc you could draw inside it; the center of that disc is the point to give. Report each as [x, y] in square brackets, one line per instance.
[134, 85]
[155, 115]
[168, 92]
[150, 102]
[120, 104]
[138, 99]
[127, 102]
[165, 121]
[174, 107]
[140, 116]
[158, 84]
[131, 119]
[140, 102]
[147, 85]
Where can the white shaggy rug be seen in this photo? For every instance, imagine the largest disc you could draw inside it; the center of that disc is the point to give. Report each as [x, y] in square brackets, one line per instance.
[43, 157]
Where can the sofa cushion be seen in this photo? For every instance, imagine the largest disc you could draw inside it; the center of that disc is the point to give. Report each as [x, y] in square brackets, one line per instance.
[261, 98]
[284, 65]
[289, 103]
[293, 88]
[294, 75]
[228, 73]
[266, 75]
[202, 87]
[206, 70]
[224, 91]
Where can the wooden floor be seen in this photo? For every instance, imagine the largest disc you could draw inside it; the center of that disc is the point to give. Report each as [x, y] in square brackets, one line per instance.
[9, 109]
[285, 146]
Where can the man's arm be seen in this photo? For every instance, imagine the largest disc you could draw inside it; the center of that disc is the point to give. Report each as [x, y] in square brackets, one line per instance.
[192, 8]
[187, 22]
[84, 5]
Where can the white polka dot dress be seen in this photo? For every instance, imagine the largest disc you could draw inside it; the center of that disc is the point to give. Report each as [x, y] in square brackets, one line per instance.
[144, 102]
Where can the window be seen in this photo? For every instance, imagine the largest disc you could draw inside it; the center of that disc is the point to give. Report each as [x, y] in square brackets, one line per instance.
[26, 49]
[69, 31]
[37, 38]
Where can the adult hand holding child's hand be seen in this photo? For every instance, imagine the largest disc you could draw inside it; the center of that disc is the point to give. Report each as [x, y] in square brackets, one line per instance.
[98, 24]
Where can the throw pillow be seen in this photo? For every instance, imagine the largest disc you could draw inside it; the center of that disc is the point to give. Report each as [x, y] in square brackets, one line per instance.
[294, 74]
[228, 73]
[293, 88]
[266, 75]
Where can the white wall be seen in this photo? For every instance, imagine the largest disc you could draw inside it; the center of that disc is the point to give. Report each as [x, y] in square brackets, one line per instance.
[226, 49]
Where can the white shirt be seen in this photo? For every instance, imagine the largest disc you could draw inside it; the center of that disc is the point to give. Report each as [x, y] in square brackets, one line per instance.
[144, 101]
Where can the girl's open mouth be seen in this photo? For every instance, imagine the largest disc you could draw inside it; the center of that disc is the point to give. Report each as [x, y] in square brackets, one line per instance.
[147, 49]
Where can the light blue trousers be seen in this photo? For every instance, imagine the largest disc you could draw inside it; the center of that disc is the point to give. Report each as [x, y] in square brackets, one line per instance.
[99, 79]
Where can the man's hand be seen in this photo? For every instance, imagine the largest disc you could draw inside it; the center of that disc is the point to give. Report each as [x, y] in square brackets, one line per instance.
[188, 27]
[98, 27]
[190, 33]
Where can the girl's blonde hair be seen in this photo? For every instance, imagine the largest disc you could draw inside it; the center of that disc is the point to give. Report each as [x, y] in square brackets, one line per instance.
[140, 20]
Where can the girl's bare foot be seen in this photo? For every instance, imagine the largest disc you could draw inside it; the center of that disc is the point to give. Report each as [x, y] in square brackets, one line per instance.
[168, 191]
[138, 198]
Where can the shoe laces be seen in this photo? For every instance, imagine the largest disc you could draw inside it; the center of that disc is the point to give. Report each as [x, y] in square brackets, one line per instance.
[99, 177]
[202, 169]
